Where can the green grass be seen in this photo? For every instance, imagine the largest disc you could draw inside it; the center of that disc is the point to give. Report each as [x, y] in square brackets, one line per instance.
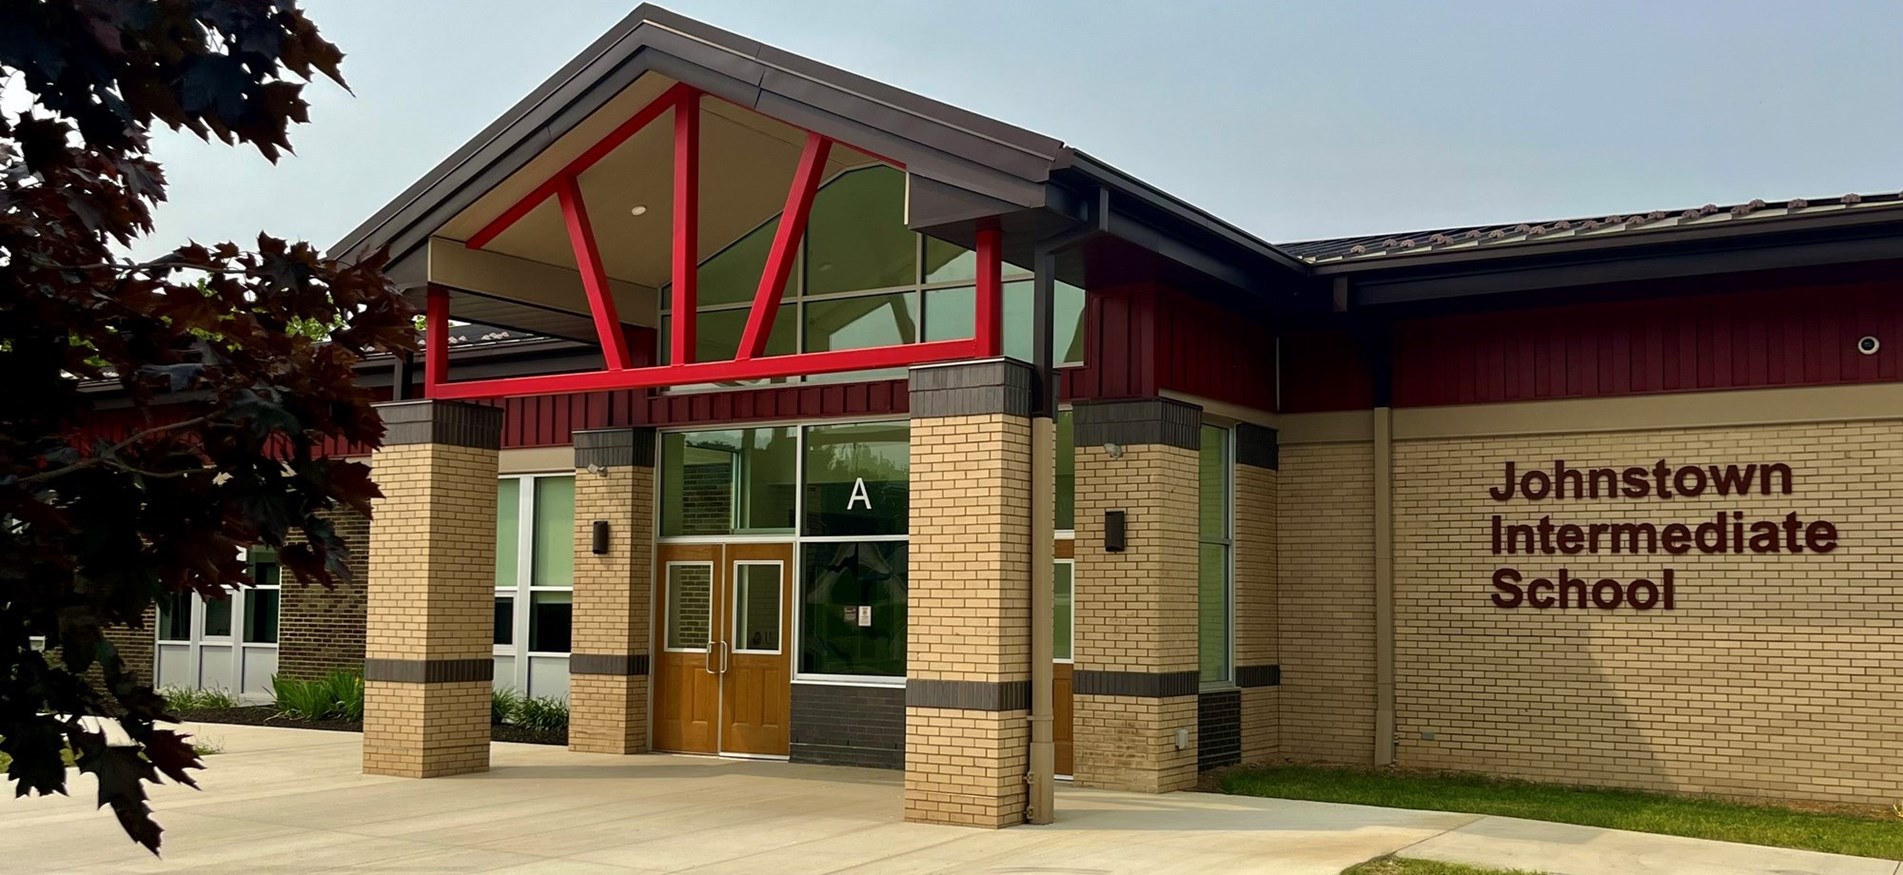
[1404, 866]
[1867, 835]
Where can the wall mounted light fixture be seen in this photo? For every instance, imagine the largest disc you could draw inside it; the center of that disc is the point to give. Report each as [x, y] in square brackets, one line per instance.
[598, 545]
[1113, 531]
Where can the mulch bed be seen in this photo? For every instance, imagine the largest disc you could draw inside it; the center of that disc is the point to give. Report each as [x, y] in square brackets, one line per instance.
[265, 715]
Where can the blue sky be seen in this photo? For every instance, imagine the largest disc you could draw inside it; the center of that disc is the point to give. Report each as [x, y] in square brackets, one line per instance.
[1292, 120]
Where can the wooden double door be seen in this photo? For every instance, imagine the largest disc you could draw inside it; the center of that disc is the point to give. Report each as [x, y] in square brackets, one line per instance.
[723, 648]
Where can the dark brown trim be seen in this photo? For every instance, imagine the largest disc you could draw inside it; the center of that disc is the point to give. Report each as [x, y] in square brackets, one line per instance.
[614, 448]
[453, 423]
[968, 695]
[1137, 684]
[1257, 447]
[1258, 676]
[1136, 422]
[620, 665]
[429, 671]
[981, 388]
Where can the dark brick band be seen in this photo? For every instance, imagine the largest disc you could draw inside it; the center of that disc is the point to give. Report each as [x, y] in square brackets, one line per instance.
[1136, 422]
[972, 389]
[1257, 447]
[429, 671]
[1258, 675]
[969, 695]
[614, 448]
[848, 726]
[456, 423]
[634, 665]
[1140, 684]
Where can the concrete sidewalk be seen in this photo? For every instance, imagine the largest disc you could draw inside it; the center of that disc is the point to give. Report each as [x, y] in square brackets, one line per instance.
[285, 800]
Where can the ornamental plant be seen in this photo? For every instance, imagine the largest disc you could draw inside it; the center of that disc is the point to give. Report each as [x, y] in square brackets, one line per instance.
[236, 363]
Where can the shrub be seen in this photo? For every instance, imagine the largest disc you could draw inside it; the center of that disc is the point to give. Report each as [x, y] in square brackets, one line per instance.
[504, 704]
[543, 714]
[336, 696]
[182, 699]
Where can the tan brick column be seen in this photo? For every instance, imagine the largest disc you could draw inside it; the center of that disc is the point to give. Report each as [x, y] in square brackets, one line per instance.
[1135, 676]
[1258, 669]
[430, 619]
[968, 637]
[608, 668]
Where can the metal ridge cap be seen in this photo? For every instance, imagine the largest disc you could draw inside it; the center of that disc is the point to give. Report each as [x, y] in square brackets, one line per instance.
[1336, 265]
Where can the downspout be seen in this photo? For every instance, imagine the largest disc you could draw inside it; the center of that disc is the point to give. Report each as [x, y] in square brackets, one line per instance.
[1041, 777]
[1377, 352]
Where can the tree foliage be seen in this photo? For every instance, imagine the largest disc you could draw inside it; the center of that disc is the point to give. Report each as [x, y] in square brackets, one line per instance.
[230, 394]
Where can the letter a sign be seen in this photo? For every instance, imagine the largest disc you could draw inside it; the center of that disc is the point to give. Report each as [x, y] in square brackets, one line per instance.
[859, 494]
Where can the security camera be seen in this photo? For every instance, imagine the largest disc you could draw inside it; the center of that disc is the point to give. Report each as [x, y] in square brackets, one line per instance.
[1869, 344]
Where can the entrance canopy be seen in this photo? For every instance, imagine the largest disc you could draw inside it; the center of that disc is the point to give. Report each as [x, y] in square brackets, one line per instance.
[707, 209]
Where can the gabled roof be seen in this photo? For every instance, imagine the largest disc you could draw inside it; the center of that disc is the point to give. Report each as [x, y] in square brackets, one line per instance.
[1629, 227]
[963, 166]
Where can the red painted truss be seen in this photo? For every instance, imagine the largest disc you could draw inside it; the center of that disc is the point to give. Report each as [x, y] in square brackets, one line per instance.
[750, 362]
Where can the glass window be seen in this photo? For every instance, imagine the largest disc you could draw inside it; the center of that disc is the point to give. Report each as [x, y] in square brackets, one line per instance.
[508, 530]
[951, 314]
[1066, 499]
[1212, 573]
[857, 479]
[756, 609]
[856, 236]
[554, 532]
[551, 616]
[728, 482]
[175, 616]
[717, 334]
[505, 619]
[1061, 611]
[732, 275]
[861, 322]
[1067, 321]
[852, 608]
[690, 605]
[949, 262]
[261, 616]
[217, 617]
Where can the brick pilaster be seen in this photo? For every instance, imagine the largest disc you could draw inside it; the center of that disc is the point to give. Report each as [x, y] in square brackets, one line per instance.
[430, 614]
[1135, 675]
[1258, 668]
[968, 608]
[608, 668]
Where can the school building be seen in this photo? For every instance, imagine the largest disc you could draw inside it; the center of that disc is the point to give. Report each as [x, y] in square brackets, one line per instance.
[771, 411]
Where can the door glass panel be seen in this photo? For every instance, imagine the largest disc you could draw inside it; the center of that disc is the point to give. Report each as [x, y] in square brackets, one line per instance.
[261, 616]
[756, 620]
[551, 616]
[690, 604]
[217, 618]
[1061, 610]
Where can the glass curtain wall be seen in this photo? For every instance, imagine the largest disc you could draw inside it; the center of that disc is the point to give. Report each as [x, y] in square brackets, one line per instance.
[863, 279]
[534, 581]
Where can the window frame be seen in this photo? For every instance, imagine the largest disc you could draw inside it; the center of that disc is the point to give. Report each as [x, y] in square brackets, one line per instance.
[523, 593]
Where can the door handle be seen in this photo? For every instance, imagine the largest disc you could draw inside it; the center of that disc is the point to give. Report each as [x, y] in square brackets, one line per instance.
[707, 658]
[724, 650]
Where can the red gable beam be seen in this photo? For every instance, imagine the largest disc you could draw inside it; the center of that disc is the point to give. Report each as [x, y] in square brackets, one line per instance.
[686, 225]
[786, 241]
[594, 278]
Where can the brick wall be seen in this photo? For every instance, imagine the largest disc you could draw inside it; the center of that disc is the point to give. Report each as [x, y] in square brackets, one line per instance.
[1136, 611]
[1774, 675]
[1257, 546]
[608, 710]
[1325, 578]
[320, 629]
[137, 646]
[848, 726]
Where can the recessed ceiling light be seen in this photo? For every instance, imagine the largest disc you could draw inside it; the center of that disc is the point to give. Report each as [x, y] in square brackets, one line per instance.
[638, 209]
